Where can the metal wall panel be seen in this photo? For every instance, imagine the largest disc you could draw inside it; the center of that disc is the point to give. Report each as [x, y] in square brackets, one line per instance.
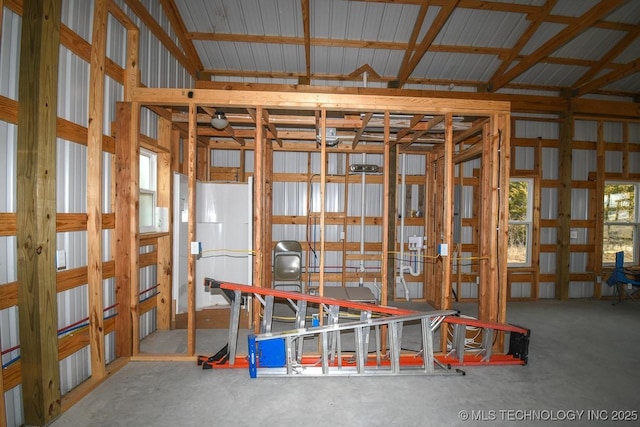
[520, 290]
[536, 129]
[583, 161]
[225, 158]
[73, 88]
[116, 42]
[71, 179]
[547, 290]
[78, 16]
[550, 163]
[634, 162]
[524, 158]
[549, 203]
[581, 290]
[613, 162]
[585, 130]
[579, 203]
[547, 262]
[10, 54]
[8, 159]
[289, 198]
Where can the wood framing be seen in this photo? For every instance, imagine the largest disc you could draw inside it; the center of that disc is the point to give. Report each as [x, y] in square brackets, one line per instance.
[36, 208]
[94, 190]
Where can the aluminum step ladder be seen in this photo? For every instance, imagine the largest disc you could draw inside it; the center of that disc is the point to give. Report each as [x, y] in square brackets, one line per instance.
[330, 358]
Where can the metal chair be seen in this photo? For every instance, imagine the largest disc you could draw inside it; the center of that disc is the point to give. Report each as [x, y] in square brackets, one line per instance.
[626, 287]
[287, 265]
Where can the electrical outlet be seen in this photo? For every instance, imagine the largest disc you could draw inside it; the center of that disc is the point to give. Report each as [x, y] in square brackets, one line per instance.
[61, 259]
[196, 248]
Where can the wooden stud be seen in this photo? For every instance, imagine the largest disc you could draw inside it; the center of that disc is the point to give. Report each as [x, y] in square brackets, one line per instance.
[36, 208]
[94, 189]
[164, 245]
[259, 216]
[126, 233]
[564, 209]
[323, 184]
[389, 188]
[191, 230]
[444, 302]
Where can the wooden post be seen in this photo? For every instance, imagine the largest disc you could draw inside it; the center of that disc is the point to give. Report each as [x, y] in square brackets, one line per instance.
[36, 211]
[390, 186]
[259, 220]
[127, 233]
[191, 229]
[164, 246]
[323, 184]
[598, 203]
[94, 190]
[564, 208]
[447, 214]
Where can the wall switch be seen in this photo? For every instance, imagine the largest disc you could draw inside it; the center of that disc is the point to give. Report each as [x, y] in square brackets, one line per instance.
[61, 259]
[573, 234]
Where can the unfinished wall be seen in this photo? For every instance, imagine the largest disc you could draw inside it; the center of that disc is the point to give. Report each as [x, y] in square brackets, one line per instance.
[158, 68]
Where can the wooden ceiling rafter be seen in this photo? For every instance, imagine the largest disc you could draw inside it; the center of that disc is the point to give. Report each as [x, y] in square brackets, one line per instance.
[430, 124]
[524, 38]
[608, 57]
[359, 131]
[630, 68]
[593, 15]
[443, 16]
[171, 10]
[307, 39]
[266, 122]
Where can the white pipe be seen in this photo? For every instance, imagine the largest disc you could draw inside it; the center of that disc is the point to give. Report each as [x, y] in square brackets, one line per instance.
[405, 268]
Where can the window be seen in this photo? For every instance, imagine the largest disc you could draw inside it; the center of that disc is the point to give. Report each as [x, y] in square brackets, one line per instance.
[147, 201]
[621, 221]
[520, 221]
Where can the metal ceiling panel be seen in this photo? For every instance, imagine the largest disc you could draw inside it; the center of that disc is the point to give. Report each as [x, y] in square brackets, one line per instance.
[555, 75]
[628, 13]
[628, 84]
[573, 8]
[591, 44]
[630, 53]
[353, 20]
[545, 32]
[452, 66]
[469, 27]
[257, 17]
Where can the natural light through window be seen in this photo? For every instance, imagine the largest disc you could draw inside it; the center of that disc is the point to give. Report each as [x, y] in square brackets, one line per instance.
[520, 221]
[621, 221]
[147, 202]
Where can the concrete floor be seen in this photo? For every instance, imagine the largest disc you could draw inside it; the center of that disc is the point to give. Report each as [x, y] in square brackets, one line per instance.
[583, 356]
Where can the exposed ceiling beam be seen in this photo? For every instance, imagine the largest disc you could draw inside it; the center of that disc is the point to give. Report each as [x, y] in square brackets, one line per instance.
[171, 10]
[524, 38]
[611, 55]
[443, 15]
[356, 138]
[139, 9]
[585, 21]
[627, 70]
[419, 22]
[307, 38]
[266, 122]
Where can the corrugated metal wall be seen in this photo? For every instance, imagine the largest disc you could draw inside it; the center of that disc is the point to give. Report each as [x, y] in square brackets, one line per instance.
[158, 69]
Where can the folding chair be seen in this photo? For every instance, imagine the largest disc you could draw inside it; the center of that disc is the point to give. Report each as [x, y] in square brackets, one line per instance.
[287, 265]
[624, 280]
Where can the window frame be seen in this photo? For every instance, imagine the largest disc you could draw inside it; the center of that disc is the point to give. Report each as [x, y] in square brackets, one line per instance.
[151, 190]
[635, 223]
[528, 221]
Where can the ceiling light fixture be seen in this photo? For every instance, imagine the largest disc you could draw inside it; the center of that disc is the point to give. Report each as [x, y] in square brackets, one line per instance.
[219, 120]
